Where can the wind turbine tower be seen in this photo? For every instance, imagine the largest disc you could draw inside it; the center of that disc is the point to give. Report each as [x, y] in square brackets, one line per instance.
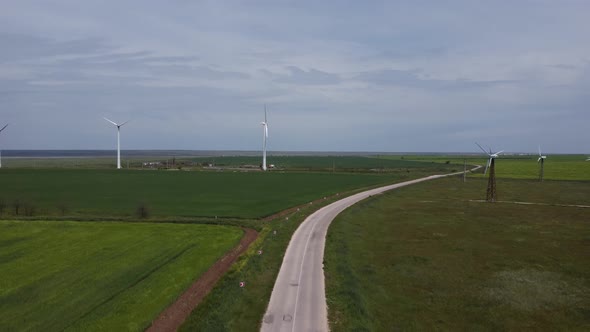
[264, 139]
[542, 161]
[118, 140]
[491, 195]
[0, 149]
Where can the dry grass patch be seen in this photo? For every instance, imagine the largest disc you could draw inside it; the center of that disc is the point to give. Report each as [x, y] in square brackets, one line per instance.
[531, 290]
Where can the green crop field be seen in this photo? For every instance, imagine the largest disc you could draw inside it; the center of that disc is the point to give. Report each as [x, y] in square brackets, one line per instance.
[315, 163]
[78, 192]
[119, 276]
[84, 276]
[328, 163]
[425, 257]
[557, 167]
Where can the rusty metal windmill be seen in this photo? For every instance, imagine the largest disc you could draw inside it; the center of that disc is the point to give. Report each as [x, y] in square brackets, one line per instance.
[491, 195]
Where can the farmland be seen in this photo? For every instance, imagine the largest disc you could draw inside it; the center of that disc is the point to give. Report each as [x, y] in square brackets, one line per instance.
[100, 276]
[323, 163]
[282, 162]
[100, 193]
[134, 262]
[450, 263]
[557, 167]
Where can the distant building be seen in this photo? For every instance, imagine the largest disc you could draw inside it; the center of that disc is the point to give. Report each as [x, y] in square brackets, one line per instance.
[152, 164]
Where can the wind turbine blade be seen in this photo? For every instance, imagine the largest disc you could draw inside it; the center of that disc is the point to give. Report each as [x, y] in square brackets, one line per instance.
[482, 149]
[538, 160]
[121, 125]
[487, 165]
[264, 113]
[539, 150]
[266, 130]
[3, 127]
[499, 152]
[110, 121]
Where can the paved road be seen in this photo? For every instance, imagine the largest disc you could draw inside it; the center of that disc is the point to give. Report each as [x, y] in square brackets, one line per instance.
[298, 300]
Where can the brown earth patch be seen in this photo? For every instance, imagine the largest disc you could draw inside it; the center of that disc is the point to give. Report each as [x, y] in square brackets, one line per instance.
[171, 318]
[296, 208]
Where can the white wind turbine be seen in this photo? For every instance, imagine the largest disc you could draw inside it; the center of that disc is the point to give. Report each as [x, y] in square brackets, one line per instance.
[542, 161]
[0, 149]
[118, 140]
[491, 155]
[264, 138]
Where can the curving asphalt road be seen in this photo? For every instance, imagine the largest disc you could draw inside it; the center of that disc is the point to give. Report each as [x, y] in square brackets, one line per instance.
[298, 300]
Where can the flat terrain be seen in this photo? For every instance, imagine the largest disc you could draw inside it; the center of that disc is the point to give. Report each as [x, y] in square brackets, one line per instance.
[324, 163]
[557, 167]
[299, 292]
[121, 259]
[427, 258]
[100, 193]
[100, 276]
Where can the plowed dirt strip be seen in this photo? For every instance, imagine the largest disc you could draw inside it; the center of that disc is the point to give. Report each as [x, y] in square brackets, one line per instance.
[171, 318]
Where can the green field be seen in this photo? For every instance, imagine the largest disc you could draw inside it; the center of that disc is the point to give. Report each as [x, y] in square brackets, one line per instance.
[119, 276]
[84, 276]
[557, 167]
[99, 193]
[324, 163]
[282, 162]
[425, 257]
[231, 308]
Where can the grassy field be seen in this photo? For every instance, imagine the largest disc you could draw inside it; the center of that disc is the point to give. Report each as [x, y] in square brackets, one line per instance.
[231, 308]
[99, 276]
[117, 276]
[425, 257]
[321, 163]
[99, 193]
[315, 163]
[557, 167]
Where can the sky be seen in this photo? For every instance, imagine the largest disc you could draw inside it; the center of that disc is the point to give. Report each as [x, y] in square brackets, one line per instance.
[383, 76]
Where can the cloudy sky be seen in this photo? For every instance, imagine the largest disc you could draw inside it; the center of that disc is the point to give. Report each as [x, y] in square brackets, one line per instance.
[386, 76]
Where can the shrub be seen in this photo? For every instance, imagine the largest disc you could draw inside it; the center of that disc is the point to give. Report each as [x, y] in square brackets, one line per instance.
[63, 208]
[17, 205]
[143, 211]
[29, 209]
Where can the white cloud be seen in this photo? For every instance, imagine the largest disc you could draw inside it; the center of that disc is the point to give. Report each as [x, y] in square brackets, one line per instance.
[351, 76]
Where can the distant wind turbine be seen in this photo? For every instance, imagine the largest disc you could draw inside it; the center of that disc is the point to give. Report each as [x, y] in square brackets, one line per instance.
[118, 140]
[542, 161]
[264, 138]
[0, 149]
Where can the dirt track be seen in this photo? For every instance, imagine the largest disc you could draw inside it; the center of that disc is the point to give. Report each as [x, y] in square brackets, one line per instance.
[171, 318]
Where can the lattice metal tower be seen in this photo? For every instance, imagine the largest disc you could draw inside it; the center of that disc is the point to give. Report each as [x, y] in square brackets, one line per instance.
[491, 193]
[542, 170]
[464, 170]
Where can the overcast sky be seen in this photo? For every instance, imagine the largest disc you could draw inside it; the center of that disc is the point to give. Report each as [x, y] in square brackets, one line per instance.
[386, 76]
